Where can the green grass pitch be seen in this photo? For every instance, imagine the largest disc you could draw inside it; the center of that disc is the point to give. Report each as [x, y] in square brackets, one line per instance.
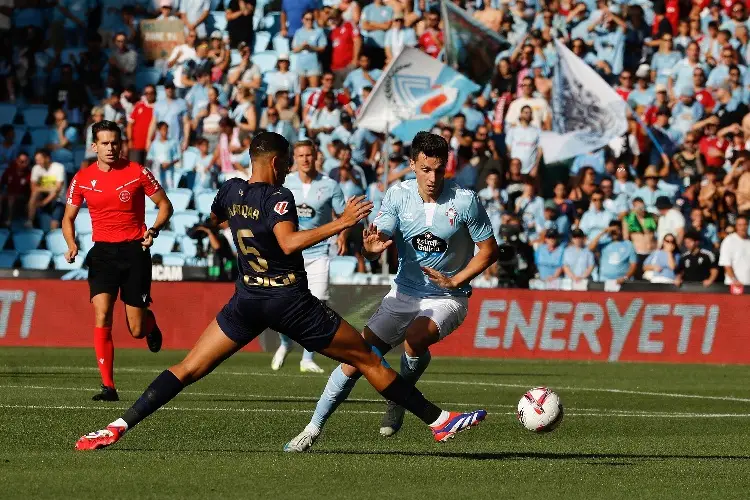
[630, 431]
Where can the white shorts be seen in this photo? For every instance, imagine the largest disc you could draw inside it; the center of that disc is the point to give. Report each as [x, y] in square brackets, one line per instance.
[397, 311]
[317, 276]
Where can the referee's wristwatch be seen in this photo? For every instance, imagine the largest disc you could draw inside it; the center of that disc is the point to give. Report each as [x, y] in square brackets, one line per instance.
[154, 232]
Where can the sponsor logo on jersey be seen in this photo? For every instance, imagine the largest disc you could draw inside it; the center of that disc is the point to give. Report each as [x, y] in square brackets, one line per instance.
[305, 211]
[429, 243]
[93, 183]
[281, 207]
[124, 196]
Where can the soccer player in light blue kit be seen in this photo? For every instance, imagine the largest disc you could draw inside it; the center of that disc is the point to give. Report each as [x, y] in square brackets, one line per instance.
[317, 197]
[436, 226]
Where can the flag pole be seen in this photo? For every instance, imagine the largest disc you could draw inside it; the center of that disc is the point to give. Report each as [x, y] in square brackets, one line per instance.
[386, 171]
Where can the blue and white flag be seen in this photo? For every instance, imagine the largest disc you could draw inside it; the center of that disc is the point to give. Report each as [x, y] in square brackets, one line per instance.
[586, 112]
[413, 93]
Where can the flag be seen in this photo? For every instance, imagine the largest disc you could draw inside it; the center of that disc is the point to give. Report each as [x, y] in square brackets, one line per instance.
[586, 112]
[470, 47]
[413, 93]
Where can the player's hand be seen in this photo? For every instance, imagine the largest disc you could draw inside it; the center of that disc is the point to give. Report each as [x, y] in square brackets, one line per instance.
[374, 241]
[439, 278]
[341, 244]
[357, 208]
[148, 238]
[70, 255]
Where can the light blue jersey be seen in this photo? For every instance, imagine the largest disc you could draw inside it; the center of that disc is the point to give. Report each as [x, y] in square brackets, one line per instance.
[316, 203]
[438, 235]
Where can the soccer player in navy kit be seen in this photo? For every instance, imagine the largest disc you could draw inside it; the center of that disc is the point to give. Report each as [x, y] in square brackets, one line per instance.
[272, 291]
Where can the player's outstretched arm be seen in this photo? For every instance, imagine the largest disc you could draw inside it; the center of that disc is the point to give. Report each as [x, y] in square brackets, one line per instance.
[374, 242]
[69, 231]
[487, 255]
[291, 241]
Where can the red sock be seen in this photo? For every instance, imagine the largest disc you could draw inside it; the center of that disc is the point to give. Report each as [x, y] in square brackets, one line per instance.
[148, 324]
[105, 354]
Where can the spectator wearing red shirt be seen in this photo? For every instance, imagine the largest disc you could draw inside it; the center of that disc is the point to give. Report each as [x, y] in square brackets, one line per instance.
[346, 44]
[712, 147]
[702, 95]
[14, 186]
[139, 122]
[316, 101]
[431, 41]
[626, 85]
[120, 261]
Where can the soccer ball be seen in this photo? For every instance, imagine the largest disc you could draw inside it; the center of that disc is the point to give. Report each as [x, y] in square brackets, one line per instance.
[540, 410]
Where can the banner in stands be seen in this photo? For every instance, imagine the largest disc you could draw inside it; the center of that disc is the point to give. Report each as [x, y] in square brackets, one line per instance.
[502, 323]
[160, 36]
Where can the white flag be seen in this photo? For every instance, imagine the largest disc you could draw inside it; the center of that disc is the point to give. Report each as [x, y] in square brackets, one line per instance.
[586, 112]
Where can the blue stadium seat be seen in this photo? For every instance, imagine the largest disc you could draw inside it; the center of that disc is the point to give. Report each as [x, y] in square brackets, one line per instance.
[7, 113]
[182, 221]
[281, 45]
[27, 239]
[36, 259]
[234, 58]
[204, 200]
[180, 198]
[216, 21]
[173, 259]
[8, 259]
[147, 76]
[20, 133]
[60, 263]
[151, 217]
[85, 243]
[343, 266]
[164, 243]
[4, 235]
[65, 55]
[262, 39]
[271, 23]
[35, 115]
[40, 137]
[79, 153]
[83, 221]
[56, 242]
[266, 61]
[188, 247]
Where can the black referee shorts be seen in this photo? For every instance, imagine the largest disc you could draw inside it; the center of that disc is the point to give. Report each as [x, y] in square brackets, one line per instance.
[123, 268]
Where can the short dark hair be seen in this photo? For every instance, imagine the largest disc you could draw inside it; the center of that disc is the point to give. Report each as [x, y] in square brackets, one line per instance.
[269, 143]
[44, 152]
[161, 124]
[105, 126]
[431, 145]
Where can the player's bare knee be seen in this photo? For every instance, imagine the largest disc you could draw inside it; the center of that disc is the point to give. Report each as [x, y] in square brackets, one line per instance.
[103, 318]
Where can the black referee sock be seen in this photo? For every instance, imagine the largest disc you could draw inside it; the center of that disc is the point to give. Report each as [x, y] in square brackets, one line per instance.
[406, 395]
[161, 391]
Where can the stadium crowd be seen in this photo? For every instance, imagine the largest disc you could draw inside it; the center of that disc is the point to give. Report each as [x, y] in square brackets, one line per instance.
[665, 202]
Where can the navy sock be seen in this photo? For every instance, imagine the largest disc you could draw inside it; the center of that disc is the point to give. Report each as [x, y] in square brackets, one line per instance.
[409, 397]
[161, 391]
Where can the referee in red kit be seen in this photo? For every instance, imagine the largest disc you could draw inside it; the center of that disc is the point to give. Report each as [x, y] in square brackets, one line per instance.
[120, 261]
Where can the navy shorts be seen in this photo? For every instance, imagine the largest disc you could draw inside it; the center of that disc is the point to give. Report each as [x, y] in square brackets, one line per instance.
[300, 316]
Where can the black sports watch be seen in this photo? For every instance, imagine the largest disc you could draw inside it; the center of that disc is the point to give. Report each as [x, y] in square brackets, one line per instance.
[154, 232]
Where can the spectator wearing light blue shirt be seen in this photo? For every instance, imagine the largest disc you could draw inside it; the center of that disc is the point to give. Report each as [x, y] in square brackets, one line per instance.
[398, 37]
[660, 266]
[649, 192]
[308, 43]
[686, 113]
[283, 79]
[617, 259]
[360, 78]
[523, 142]
[549, 257]
[554, 221]
[578, 261]
[721, 72]
[643, 95]
[194, 14]
[162, 155]
[376, 20]
[618, 204]
[174, 112]
[594, 159]
[664, 61]
[682, 74]
[596, 219]
[609, 43]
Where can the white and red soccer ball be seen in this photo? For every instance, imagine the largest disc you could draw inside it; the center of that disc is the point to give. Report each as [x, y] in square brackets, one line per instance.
[540, 410]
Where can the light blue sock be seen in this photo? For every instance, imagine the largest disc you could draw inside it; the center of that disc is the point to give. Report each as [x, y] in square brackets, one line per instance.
[286, 342]
[413, 367]
[336, 391]
[307, 355]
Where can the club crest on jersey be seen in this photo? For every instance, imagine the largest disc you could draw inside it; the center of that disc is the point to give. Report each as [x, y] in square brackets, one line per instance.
[451, 214]
[124, 196]
[305, 211]
[429, 243]
[281, 207]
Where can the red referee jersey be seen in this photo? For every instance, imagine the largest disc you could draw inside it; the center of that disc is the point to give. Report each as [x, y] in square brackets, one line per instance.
[116, 199]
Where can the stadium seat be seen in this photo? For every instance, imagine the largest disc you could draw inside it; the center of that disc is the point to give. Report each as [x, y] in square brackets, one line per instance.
[262, 39]
[36, 259]
[7, 113]
[271, 23]
[204, 200]
[56, 242]
[20, 133]
[164, 243]
[59, 262]
[173, 259]
[343, 266]
[266, 61]
[151, 217]
[79, 153]
[147, 76]
[40, 137]
[85, 243]
[182, 221]
[35, 115]
[216, 21]
[180, 198]
[189, 159]
[65, 55]
[281, 45]
[8, 259]
[235, 58]
[27, 239]
[188, 247]
[4, 235]
[83, 221]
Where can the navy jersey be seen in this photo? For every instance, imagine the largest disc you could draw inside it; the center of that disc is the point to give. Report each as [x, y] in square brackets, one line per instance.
[253, 209]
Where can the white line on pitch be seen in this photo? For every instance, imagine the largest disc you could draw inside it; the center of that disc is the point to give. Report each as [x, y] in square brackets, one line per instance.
[68, 369]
